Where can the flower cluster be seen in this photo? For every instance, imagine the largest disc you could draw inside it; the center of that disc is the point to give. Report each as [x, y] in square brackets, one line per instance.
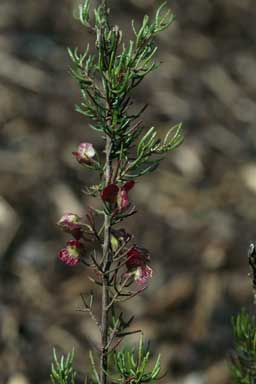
[117, 197]
[71, 223]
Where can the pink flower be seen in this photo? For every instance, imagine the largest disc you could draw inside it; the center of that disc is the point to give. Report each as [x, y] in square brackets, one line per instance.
[71, 254]
[70, 223]
[84, 153]
[142, 274]
[137, 266]
[117, 195]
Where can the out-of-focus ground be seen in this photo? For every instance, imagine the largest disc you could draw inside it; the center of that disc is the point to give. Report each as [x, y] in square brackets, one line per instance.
[197, 213]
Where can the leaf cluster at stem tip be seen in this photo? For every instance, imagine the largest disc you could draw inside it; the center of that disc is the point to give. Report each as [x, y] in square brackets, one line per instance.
[62, 371]
[106, 78]
[132, 365]
[243, 361]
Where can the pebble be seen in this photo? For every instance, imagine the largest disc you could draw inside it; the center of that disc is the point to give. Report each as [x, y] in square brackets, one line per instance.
[18, 379]
[9, 224]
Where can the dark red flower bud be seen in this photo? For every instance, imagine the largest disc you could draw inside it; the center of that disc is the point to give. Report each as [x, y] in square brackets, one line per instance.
[109, 193]
[117, 195]
[128, 185]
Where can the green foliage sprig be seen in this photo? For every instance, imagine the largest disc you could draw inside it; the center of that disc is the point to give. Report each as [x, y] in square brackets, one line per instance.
[62, 371]
[132, 365]
[107, 79]
[243, 364]
[243, 361]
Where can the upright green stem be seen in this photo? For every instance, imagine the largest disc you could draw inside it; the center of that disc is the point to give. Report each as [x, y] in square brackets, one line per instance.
[105, 283]
[107, 260]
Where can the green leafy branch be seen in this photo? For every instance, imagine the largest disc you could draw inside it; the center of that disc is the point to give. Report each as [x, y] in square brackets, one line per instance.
[150, 145]
[132, 365]
[108, 80]
[243, 363]
[62, 371]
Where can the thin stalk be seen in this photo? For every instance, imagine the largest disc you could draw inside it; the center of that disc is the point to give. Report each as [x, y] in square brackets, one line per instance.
[105, 283]
[106, 248]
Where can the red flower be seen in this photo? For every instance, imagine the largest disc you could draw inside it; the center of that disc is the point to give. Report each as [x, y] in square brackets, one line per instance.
[71, 254]
[109, 193]
[84, 153]
[70, 223]
[117, 195]
[137, 266]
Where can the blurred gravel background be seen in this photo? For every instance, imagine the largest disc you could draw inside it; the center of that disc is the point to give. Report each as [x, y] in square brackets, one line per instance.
[196, 214]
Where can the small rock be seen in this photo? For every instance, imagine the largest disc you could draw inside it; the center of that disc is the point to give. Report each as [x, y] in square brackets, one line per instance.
[176, 292]
[143, 4]
[193, 378]
[221, 227]
[189, 162]
[221, 84]
[65, 200]
[223, 139]
[248, 173]
[244, 110]
[171, 105]
[214, 256]
[210, 291]
[9, 224]
[246, 60]
[198, 46]
[33, 252]
[218, 373]
[18, 379]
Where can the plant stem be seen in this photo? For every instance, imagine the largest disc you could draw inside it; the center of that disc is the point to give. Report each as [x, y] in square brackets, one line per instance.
[105, 283]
